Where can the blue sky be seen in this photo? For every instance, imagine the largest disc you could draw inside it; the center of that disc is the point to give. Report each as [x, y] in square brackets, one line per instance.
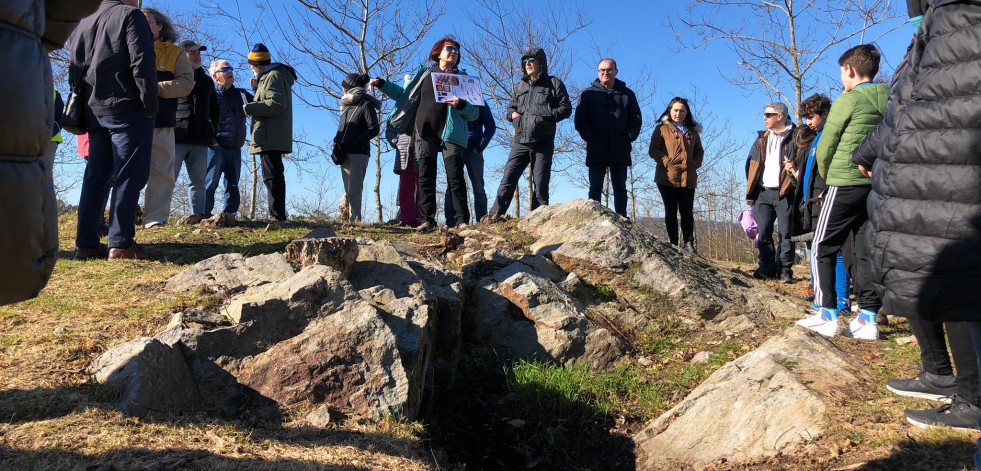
[634, 32]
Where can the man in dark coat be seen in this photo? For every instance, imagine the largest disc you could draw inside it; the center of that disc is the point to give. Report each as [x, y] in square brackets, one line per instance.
[197, 118]
[608, 118]
[115, 46]
[540, 101]
[925, 203]
[28, 210]
[225, 156]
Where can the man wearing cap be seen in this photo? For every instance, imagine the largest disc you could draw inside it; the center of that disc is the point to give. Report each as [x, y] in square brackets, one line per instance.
[272, 123]
[175, 79]
[197, 117]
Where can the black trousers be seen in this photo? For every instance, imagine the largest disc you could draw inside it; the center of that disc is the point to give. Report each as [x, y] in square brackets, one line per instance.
[843, 213]
[427, 148]
[678, 199]
[274, 177]
[772, 208]
[933, 353]
[539, 155]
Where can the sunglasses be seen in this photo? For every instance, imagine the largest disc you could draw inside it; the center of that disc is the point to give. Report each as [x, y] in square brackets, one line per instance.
[451, 49]
[225, 69]
[530, 59]
[770, 115]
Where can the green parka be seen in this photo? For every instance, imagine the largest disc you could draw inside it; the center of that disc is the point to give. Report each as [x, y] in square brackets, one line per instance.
[852, 117]
[272, 110]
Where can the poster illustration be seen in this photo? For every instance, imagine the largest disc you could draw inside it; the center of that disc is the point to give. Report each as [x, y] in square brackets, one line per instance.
[466, 87]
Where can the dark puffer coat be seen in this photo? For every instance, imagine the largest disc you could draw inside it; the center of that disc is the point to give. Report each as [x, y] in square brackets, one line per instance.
[541, 104]
[925, 205]
[28, 210]
[609, 121]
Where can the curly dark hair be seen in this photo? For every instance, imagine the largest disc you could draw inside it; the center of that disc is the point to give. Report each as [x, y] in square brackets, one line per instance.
[816, 104]
[438, 48]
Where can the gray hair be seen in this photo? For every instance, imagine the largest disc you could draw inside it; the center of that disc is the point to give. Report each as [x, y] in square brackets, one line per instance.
[779, 107]
[217, 64]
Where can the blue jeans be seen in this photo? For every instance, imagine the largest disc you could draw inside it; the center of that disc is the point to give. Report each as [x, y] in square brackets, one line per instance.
[473, 162]
[228, 162]
[119, 159]
[618, 180]
[196, 160]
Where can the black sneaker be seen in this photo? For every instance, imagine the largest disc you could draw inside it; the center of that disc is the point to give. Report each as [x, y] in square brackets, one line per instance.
[762, 275]
[690, 248]
[787, 277]
[959, 415]
[425, 228]
[925, 386]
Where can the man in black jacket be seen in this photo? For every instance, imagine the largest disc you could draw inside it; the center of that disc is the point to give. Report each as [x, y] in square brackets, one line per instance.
[115, 48]
[608, 118]
[197, 117]
[540, 101]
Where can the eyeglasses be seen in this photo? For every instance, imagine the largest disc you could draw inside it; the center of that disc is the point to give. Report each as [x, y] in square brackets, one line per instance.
[225, 69]
[529, 60]
[451, 49]
[770, 115]
[606, 71]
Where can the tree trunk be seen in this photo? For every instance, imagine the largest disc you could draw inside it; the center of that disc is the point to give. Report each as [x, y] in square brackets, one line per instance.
[255, 184]
[633, 197]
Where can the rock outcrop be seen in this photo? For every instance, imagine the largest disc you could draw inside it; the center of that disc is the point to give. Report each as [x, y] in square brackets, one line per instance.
[762, 403]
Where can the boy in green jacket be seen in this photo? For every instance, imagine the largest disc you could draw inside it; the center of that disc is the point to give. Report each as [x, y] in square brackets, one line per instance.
[852, 117]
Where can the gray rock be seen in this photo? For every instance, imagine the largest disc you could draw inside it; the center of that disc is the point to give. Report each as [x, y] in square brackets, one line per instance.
[232, 271]
[337, 253]
[604, 249]
[325, 232]
[447, 287]
[380, 264]
[152, 378]
[762, 403]
[319, 417]
[701, 357]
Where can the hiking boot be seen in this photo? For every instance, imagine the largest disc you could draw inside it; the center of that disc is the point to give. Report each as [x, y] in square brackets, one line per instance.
[818, 323]
[787, 277]
[690, 248]
[925, 386]
[862, 330]
[762, 275]
[808, 295]
[958, 415]
[425, 228]
[99, 253]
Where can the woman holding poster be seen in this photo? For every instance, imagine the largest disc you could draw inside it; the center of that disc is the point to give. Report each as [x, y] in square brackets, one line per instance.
[436, 125]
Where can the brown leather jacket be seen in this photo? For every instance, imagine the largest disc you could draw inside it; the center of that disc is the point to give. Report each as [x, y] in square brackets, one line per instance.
[677, 155]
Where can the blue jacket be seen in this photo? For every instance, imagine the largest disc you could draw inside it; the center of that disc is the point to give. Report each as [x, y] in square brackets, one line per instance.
[481, 130]
[231, 122]
[455, 130]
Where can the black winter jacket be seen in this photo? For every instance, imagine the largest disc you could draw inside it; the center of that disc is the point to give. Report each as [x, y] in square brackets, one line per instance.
[231, 117]
[359, 122]
[541, 104]
[197, 113]
[925, 204]
[608, 120]
[121, 74]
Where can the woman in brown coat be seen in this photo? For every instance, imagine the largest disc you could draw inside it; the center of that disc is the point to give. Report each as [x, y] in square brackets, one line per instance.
[677, 149]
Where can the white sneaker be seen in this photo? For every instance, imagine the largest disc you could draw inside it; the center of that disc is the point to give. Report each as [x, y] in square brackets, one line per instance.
[866, 331]
[819, 324]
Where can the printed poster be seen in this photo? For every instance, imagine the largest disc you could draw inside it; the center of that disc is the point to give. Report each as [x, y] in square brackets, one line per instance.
[466, 87]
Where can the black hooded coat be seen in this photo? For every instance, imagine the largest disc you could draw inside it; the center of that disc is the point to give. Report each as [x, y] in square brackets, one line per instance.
[541, 104]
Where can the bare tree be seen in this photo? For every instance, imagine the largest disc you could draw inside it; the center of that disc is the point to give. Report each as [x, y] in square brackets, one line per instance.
[503, 30]
[332, 38]
[778, 43]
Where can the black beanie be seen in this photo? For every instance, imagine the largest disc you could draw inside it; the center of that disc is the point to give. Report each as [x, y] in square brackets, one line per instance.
[354, 81]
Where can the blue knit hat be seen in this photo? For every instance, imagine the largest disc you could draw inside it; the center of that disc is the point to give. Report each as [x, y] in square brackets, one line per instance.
[259, 55]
